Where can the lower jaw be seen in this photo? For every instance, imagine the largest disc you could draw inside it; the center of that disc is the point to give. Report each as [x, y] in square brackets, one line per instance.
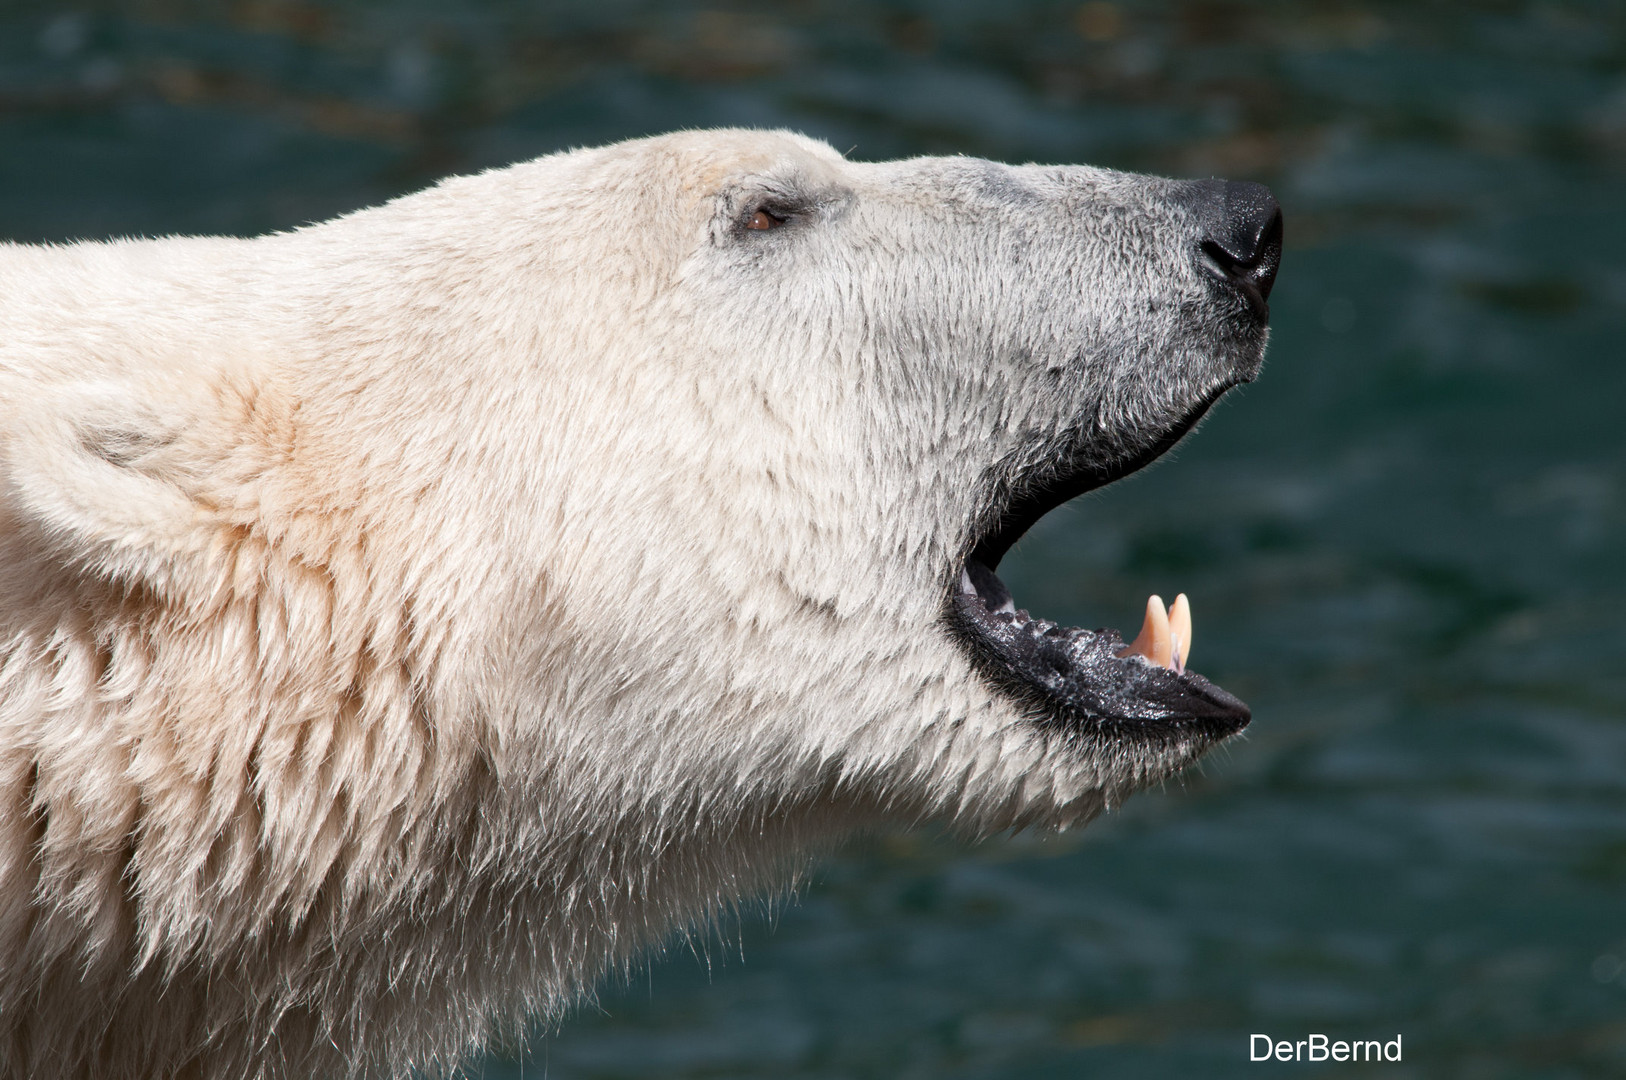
[1088, 680]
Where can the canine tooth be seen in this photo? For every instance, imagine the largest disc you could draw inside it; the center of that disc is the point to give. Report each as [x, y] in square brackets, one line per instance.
[1153, 642]
[965, 584]
[1008, 605]
[1180, 630]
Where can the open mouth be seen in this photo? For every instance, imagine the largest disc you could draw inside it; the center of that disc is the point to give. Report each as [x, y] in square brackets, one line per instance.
[1086, 680]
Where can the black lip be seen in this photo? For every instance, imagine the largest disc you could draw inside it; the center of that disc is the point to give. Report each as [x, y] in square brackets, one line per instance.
[1039, 495]
[1068, 676]
[1074, 677]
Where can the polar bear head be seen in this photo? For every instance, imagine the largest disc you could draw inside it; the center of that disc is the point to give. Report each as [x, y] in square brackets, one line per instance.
[782, 415]
[542, 560]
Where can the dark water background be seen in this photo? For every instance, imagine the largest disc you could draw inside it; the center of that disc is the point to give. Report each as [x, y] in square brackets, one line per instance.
[1403, 544]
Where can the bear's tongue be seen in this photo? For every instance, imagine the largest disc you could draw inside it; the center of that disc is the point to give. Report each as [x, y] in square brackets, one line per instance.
[1165, 635]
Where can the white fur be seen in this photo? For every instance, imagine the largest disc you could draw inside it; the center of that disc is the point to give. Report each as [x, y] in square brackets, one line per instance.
[406, 618]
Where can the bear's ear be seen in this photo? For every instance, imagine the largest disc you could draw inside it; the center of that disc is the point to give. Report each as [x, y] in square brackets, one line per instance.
[104, 478]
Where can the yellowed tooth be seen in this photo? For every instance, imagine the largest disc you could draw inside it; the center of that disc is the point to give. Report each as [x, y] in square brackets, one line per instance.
[1162, 642]
[1153, 641]
[1180, 630]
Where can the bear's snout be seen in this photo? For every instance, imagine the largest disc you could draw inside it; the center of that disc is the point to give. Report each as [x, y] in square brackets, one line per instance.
[1240, 241]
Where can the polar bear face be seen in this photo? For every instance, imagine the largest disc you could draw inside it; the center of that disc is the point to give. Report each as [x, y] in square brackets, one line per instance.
[853, 387]
[546, 559]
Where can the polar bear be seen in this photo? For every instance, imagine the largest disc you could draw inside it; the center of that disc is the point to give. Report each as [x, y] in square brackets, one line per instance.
[406, 619]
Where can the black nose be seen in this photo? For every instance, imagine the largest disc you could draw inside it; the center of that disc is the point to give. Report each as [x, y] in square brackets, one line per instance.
[1241, 241]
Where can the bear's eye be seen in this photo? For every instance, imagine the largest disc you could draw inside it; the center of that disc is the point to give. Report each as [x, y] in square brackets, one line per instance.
[764, 219]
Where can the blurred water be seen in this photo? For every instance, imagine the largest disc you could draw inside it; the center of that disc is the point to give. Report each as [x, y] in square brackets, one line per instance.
[1403, 543]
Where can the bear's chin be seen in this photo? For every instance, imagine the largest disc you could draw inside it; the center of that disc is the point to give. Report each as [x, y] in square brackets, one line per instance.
[1067, 677]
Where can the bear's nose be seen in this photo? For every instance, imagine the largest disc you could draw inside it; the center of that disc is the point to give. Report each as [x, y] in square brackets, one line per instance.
[1242, 236]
